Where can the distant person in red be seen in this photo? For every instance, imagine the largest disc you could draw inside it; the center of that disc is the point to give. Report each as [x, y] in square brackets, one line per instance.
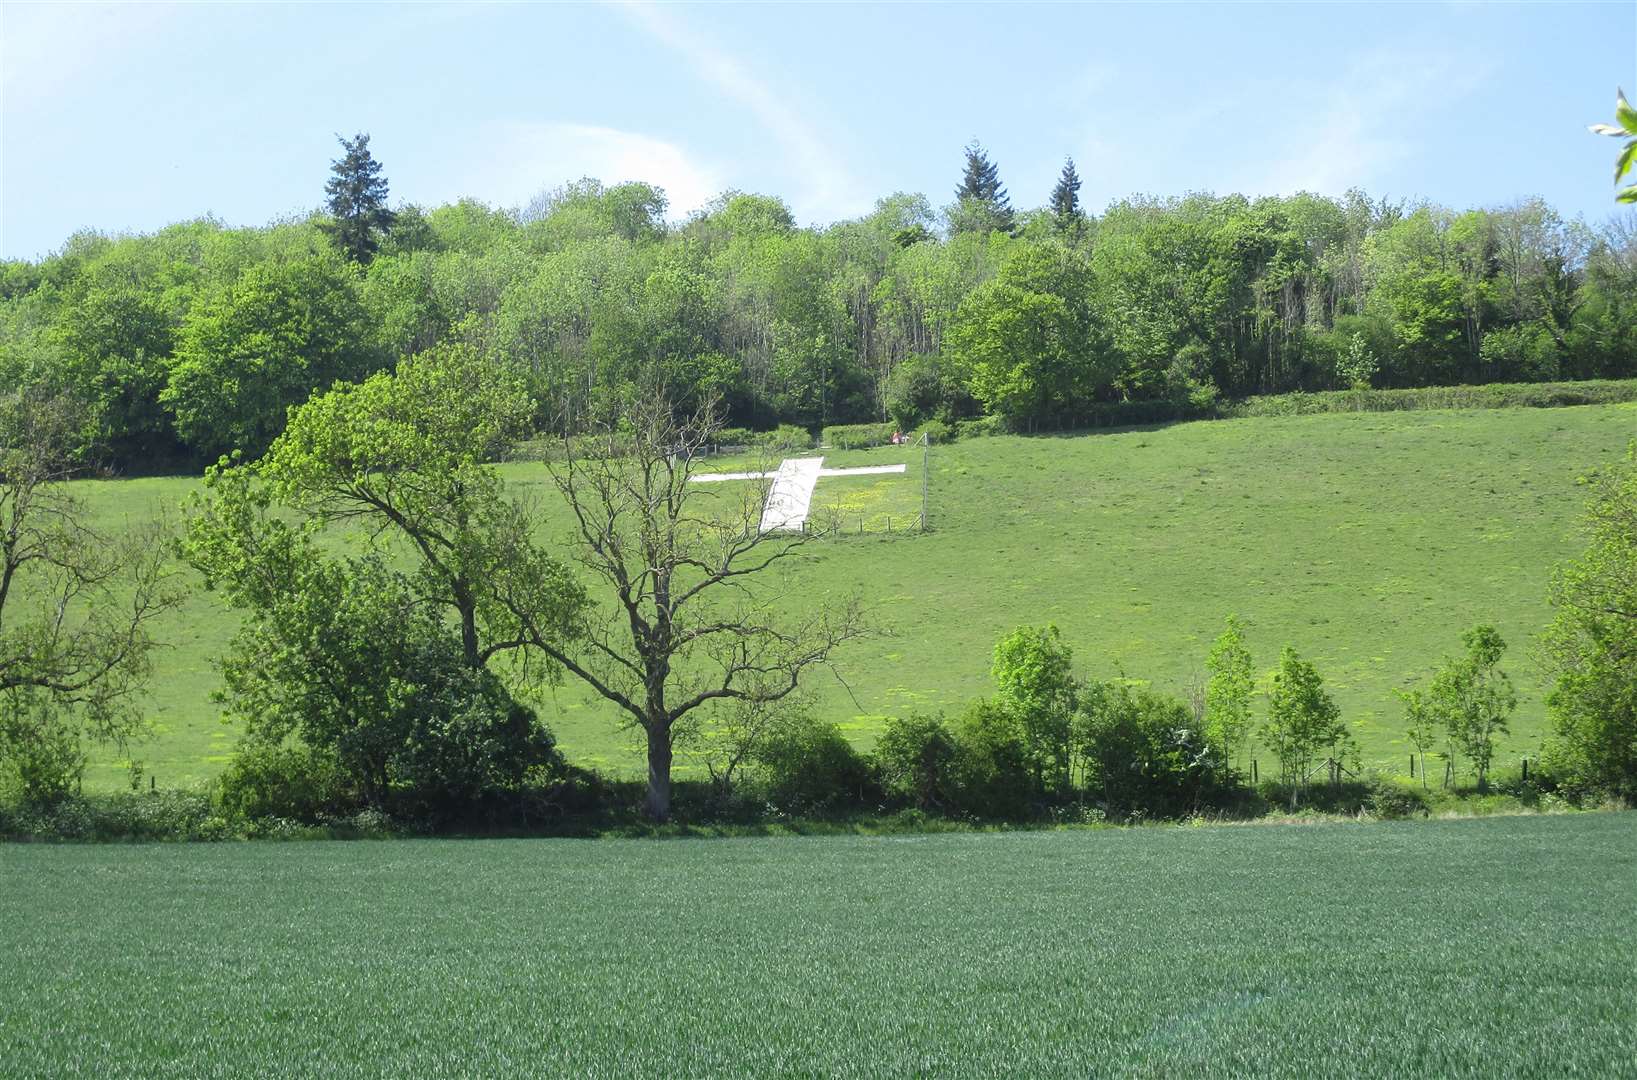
[897, 437]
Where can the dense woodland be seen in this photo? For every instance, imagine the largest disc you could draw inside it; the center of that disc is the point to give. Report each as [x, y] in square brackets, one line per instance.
[195, 340]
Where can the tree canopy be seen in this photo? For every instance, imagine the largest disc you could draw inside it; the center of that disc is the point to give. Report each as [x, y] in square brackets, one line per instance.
[196, 340]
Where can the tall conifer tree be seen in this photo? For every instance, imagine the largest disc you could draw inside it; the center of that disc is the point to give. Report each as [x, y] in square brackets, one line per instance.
[981, 199]
[1065, 201]
[358, 201]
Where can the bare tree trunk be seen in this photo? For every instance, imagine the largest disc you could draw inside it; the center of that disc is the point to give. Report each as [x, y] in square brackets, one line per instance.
[659, 774]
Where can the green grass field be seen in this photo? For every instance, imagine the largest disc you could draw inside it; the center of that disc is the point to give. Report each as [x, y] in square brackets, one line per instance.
[1369, 541]
[1495, 947]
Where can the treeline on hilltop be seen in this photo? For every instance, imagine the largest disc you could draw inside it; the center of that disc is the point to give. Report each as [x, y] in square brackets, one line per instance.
[195, 340]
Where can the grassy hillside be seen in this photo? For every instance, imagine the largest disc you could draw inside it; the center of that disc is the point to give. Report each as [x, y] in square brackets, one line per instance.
[1369, 541]
[1493, 947]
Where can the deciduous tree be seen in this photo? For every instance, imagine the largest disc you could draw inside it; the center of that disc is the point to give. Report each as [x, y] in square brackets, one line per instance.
[1474, 698]
[1302, 721]
[1592, 643]
[77, 605]
[693, 613]
[1228, 693]
[1034, 677]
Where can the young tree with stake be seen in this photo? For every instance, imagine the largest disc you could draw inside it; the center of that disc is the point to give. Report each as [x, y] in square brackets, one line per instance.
[1229, 691]
[1302, 721]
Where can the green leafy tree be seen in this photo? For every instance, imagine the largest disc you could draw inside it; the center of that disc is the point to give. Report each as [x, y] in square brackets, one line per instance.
[1423, 725]
[405, 455]
[1624, 127]
[1302, 722]
[1475, 699]
[1034, 677]
[1358, 365]
[357, 192]
[914, 758]
[1032, 342]
[1229, 690]
[1592, 643]
[348, 658]
[117, 340]
[251, 349]
[993, 774]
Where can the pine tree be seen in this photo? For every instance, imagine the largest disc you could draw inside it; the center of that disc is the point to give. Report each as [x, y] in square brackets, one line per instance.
[981, 201]
[1066, 198]
[358, 201]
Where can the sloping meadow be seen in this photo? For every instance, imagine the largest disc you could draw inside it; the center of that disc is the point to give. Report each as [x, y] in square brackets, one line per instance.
[1368, 541]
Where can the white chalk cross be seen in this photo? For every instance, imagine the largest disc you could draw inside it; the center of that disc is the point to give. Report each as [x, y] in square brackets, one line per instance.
[791, 495]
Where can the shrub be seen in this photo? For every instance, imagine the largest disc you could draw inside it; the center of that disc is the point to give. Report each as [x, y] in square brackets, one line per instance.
[982, 427]
[1392, 801]
[144, 816]
[858, 436]
[1144, 755]
[936, 431]
[467, 738]
[808, 765]
[40, 748]
[287, 781]
[914, 758]
[784, 437]
[991, 775]
[735, 436]
[922, 387]
[1490, 396]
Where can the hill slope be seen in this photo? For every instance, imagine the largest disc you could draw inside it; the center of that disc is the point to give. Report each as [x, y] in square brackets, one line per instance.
[1369, 541]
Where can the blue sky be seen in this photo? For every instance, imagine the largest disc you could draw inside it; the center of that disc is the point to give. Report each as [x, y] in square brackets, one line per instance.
[128, 117]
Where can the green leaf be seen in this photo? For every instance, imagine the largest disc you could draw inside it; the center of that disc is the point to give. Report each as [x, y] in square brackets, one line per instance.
[1624, 113]
[1607, 129]
[1622, 165]
[1629, 195]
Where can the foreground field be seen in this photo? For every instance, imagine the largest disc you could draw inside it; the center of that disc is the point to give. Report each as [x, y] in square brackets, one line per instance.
[1481, 948]
[1369, 541]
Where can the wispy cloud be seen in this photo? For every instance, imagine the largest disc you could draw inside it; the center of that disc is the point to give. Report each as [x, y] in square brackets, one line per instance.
[825, 190]
[1364, 125]
[520, 160]
[46, 48]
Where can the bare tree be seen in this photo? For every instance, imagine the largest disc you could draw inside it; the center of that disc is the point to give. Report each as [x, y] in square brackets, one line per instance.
[691, 577]
[75, 604]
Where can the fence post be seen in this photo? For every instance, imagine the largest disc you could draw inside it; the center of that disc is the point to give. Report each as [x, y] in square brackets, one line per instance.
[1253, 770]
[926, 443]
[1525, 770]
[1412, 766]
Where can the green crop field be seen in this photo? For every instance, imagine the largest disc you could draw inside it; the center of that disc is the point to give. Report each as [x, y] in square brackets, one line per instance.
[1494, 947]
[1369, 541]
